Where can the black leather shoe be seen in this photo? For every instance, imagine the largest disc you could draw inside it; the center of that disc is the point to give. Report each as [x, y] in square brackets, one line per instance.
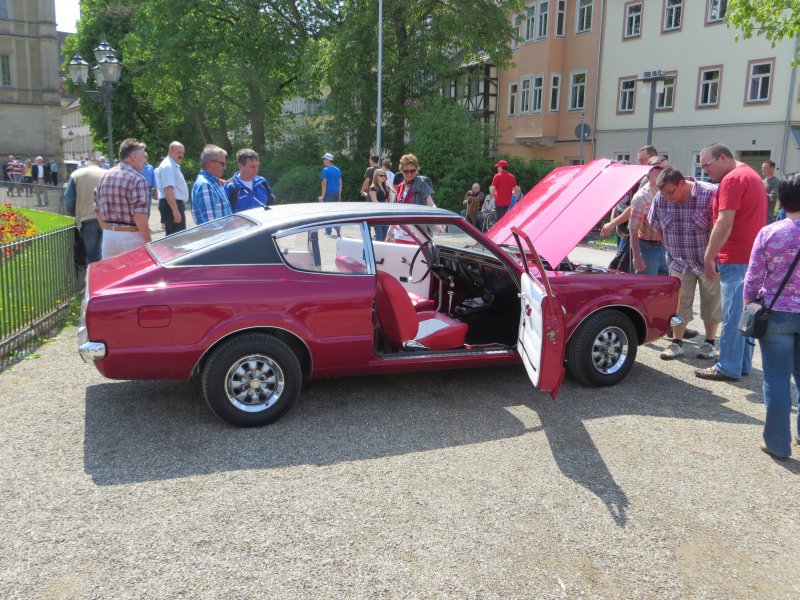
[712, 374]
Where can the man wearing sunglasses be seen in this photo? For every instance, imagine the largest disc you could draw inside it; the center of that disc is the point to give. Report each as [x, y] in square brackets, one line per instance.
[739, 213]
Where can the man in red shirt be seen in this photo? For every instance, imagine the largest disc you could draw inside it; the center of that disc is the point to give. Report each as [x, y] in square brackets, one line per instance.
[739, 212]
[502, 188]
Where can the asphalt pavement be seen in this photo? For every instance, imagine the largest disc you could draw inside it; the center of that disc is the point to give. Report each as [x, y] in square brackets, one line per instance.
[452, 484]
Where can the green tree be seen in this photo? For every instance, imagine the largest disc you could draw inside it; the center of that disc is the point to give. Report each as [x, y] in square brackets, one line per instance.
[774, 20]
[424, 43]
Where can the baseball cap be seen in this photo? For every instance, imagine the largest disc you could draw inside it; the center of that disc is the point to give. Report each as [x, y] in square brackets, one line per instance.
[327, 156]
[502, 163]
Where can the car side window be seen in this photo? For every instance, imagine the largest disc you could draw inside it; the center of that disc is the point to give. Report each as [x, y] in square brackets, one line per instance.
[333, 249]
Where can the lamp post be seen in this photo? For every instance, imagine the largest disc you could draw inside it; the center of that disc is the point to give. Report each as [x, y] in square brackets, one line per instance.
[653, 77]
[106, 74]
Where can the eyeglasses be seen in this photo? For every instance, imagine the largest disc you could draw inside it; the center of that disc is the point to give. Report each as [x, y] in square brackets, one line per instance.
[409, 170]
[708, 164]
[384, 176]
[220, 162]
[667, 193]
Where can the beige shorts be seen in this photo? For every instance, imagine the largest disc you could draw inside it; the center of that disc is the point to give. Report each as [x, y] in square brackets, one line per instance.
[710, 297]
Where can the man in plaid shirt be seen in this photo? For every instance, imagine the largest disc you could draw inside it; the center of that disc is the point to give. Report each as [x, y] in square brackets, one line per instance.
[209, 200]
[682, 211]
[121, 199]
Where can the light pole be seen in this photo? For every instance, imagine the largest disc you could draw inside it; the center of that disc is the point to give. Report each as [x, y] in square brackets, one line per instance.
[106, 73]
[653, 77]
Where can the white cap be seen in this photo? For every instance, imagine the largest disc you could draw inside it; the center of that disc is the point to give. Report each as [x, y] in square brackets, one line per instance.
[327, 156]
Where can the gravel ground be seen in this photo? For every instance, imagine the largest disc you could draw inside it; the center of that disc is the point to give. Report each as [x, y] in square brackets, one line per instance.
[463, 484]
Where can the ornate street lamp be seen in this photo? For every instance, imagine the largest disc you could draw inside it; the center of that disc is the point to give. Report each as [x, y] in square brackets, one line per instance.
[106, 73]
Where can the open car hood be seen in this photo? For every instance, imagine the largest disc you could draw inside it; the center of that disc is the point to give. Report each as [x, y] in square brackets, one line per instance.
[564, 206]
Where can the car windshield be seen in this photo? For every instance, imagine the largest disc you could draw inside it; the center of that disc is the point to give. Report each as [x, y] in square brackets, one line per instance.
[202, 236]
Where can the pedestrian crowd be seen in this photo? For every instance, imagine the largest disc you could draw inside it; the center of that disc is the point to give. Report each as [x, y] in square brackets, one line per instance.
[25, 175]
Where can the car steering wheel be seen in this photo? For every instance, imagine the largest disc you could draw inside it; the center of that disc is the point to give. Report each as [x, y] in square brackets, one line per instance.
[428, 248]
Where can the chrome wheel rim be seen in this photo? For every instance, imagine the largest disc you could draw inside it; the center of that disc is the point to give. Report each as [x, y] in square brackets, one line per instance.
[254, 383]
[609, 350]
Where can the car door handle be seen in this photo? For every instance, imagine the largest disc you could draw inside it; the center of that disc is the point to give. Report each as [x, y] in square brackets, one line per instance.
[528, 310]
[380, 262]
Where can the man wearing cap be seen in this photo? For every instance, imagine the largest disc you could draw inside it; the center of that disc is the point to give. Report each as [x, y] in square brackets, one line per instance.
[647, 247]
[502, 188]
[331, 180]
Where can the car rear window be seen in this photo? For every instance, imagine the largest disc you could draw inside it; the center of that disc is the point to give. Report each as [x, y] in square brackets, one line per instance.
[198, 238]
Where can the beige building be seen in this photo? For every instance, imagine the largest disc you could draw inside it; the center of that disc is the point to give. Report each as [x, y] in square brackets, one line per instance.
[30, 110]
[551, 88]
[712, 88]
[76, 137]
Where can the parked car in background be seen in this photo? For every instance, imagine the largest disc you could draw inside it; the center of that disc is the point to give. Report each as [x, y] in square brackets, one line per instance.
[256, 302]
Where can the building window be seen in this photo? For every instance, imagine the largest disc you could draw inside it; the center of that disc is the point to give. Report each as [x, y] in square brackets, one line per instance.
[708, 94]
[577, 90]
[518, 21]
[512, 98]
[627, 95]
[697, 168]
[5, 70]
[673, 10]
[561, 17]
[3, 9]
[538, 92]
[717, 10]
[665, 96]
[317, 107]
[583, 16]
[541, 21]
[530, 22]
[525, 95]
[633, 20]
[555, 91]
[760, 81]
[622, 157]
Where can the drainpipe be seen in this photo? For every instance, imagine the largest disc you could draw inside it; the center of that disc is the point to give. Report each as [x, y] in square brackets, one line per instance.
[597, 77]
[787, 123]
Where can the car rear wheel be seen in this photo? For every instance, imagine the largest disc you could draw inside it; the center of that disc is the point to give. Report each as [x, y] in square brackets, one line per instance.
[603, 349]
[251, 380]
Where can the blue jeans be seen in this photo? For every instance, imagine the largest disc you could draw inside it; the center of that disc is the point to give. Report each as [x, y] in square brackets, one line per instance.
[655, 258]
[780, 357]
[92, 236]
[735, 350]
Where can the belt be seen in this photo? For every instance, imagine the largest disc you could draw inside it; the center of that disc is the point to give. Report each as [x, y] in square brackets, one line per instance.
[652, 242]
[114, 227]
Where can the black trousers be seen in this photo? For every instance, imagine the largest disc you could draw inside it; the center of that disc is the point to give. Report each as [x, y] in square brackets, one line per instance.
[170, 226]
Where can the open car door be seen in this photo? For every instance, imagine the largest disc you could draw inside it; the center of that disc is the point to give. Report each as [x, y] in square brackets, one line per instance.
[542, 327]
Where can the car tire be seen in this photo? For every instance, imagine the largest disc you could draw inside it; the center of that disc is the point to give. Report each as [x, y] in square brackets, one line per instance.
[251, 380]
[603, 349]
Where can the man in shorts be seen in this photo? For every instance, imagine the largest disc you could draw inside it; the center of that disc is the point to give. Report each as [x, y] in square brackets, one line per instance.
[682, 211]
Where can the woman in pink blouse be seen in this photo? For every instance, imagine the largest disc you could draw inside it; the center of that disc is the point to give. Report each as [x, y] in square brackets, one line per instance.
[773, 252]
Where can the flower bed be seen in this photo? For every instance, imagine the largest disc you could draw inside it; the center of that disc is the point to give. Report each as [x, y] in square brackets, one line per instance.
[14, 225]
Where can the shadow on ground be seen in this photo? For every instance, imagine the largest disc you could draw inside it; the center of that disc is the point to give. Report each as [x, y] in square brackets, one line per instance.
[144, 431]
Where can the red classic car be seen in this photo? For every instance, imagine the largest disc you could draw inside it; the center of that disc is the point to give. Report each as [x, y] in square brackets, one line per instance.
[256, 302]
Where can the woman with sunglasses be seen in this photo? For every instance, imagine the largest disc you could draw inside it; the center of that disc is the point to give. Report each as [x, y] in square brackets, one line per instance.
[415, 188]
[379, 191]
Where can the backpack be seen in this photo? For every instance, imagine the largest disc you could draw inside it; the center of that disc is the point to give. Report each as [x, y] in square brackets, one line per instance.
[233, 193]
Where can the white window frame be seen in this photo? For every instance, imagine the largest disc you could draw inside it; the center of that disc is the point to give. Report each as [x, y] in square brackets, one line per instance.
[710, 85]
[584, 10]
[561, 18]
[542, 9]
[530, 22]
[716, 10]
[666, 93]
[633, 20]
[555, 92]
[577, 89]
[622, 156]
[697, 168]
[525, 95]
[537, 92]
[758, 79]
[673, 14]
[519, 20]
[513, 90]
[626, 95]
[6, 81]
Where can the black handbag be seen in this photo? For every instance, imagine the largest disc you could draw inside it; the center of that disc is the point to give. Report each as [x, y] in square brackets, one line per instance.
[755, 316]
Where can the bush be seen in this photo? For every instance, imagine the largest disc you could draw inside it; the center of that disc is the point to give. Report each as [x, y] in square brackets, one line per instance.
[298, 184]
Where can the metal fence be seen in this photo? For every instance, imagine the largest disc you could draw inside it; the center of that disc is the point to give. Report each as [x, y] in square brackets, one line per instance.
[38, 282]
[48, 198]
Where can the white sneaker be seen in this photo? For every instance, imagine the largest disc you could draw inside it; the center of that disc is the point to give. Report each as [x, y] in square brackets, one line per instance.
[707, 350]
[673, 351]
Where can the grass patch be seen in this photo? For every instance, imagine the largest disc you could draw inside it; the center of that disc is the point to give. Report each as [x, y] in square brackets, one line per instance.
[46, 222]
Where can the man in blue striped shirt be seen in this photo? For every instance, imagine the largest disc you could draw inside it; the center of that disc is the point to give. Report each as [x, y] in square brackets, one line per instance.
[209, 200]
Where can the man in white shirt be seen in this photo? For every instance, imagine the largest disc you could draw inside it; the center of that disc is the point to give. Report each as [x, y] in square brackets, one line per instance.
[172, 190]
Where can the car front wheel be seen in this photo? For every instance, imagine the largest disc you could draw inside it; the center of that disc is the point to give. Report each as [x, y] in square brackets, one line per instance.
[603, 349]
[251, 380]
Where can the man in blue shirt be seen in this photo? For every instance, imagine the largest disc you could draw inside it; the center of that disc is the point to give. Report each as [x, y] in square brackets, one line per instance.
[209, 200]
[149, 174]
[331, 182]
[247, 189]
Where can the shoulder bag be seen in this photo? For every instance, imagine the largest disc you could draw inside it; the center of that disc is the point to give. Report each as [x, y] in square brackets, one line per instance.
[755, 316]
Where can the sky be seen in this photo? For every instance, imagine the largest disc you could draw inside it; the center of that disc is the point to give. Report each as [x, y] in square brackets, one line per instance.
[67, 13]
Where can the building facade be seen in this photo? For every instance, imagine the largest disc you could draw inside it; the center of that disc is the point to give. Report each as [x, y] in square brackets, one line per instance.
[30, 109]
